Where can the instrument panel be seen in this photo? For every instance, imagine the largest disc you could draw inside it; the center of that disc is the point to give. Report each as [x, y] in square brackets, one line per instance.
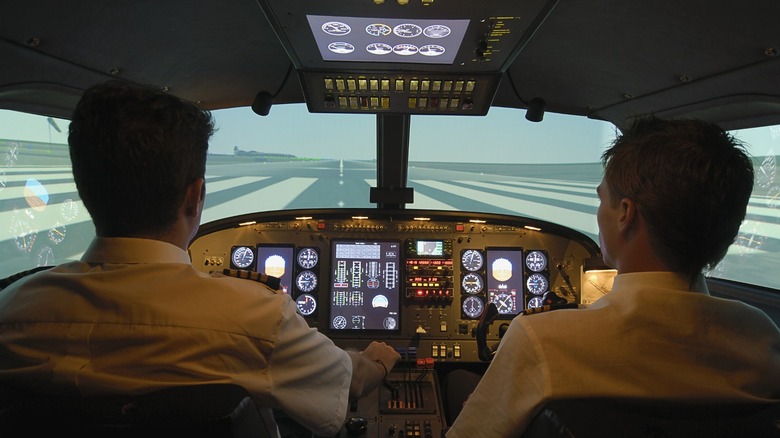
[416, 279]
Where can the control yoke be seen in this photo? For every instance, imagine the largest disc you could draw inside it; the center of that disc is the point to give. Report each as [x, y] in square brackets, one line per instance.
[485, 351]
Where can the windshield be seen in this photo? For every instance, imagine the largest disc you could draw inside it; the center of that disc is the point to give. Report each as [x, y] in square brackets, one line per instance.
[291, 159]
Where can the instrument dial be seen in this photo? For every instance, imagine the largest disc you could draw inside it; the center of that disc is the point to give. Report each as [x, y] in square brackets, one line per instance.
[473, 307]
[472, 260]
[306, 281]
[339, 322]
[243, 256]
[537, 284]
[306, 304]
[472, 283]
[535, 303]
[504, 302]
[308, 258]
[536, 261]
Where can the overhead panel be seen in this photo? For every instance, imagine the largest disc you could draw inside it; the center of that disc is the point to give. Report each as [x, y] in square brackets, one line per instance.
[403, 56]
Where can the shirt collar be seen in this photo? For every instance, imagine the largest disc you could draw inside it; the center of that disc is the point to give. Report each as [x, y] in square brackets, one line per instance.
[667, 280]
[133, 250]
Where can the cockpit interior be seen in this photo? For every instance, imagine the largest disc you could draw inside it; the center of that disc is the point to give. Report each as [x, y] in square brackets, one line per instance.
[418, 172]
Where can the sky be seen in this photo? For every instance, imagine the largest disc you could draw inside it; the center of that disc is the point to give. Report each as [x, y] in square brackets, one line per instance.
[503, 136]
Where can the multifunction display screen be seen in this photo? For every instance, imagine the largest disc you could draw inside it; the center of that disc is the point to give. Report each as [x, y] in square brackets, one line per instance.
[505, 279]
[277, 261]
[364, 289]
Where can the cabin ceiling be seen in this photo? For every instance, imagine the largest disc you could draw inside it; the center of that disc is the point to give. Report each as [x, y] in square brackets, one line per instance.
[612, 59]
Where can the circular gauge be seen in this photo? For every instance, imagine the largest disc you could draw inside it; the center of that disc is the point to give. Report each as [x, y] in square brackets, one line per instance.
[306, 304]
[473, 307]
[535, 303]
[339, 322]
[407, 30]
[378, 29]
[405, 49]
[389, 323]
[308, 258]
[432, 50]
[504, 303]
[306, 281]
[537, 284]
[472, 283]
[243, 256]
[46, 256]
[536, 261]
[336, 28]
[69, 210]
[471, 260]
[437, 31]
[379, 48]
[57, 233]
[341, 48]
[24, 234]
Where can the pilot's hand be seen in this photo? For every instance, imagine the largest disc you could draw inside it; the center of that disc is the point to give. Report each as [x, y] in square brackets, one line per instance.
[381, 351]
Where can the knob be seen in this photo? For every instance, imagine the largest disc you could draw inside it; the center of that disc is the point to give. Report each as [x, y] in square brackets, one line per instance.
[356, 426]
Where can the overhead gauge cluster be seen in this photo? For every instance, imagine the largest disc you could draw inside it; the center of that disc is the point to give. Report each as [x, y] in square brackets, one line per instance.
[472, 283]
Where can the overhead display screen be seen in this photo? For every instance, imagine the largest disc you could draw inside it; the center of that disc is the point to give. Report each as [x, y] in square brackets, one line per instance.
[362, 39]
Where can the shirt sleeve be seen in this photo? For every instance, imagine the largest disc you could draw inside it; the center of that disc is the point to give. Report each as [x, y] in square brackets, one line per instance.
[512, 390]
[309, 375]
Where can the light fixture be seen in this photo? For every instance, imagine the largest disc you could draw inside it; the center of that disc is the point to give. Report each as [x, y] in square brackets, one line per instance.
[536, 109]
[262, 104]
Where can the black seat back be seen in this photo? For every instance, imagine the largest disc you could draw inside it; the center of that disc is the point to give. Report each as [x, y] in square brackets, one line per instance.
[217, 410]
[586, 418]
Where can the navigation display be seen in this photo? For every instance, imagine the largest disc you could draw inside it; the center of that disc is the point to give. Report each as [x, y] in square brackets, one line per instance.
[368, 39]
[364, 289]
[276, 261]
[505, 279]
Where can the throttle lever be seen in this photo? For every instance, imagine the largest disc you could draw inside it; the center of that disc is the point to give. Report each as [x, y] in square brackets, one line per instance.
[490, 314]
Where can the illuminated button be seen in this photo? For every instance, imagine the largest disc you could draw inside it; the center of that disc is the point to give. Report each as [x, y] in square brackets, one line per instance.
[442, 326]
[447, 85]
[351, 84]
[456, 351]
[434, 350]
[353, 102]
[385, 84]
[340, 84]
[436, 85]
[374, 84]
[374, 101]
[423, 102]
[385, 102]
[412, 102]
[470, 86]
[363, 84]
[342, 101]
[328, 83]
[455, 102]
[425, 85]
[458, 85]
[399, 85]
[444, 102]
[414, 85]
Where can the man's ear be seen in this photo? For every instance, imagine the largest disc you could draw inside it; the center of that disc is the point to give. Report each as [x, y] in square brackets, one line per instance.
[193, 198]
[627, 216]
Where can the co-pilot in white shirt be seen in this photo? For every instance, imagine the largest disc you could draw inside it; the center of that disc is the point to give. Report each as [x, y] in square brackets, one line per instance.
[133, 315]
[650, 337]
